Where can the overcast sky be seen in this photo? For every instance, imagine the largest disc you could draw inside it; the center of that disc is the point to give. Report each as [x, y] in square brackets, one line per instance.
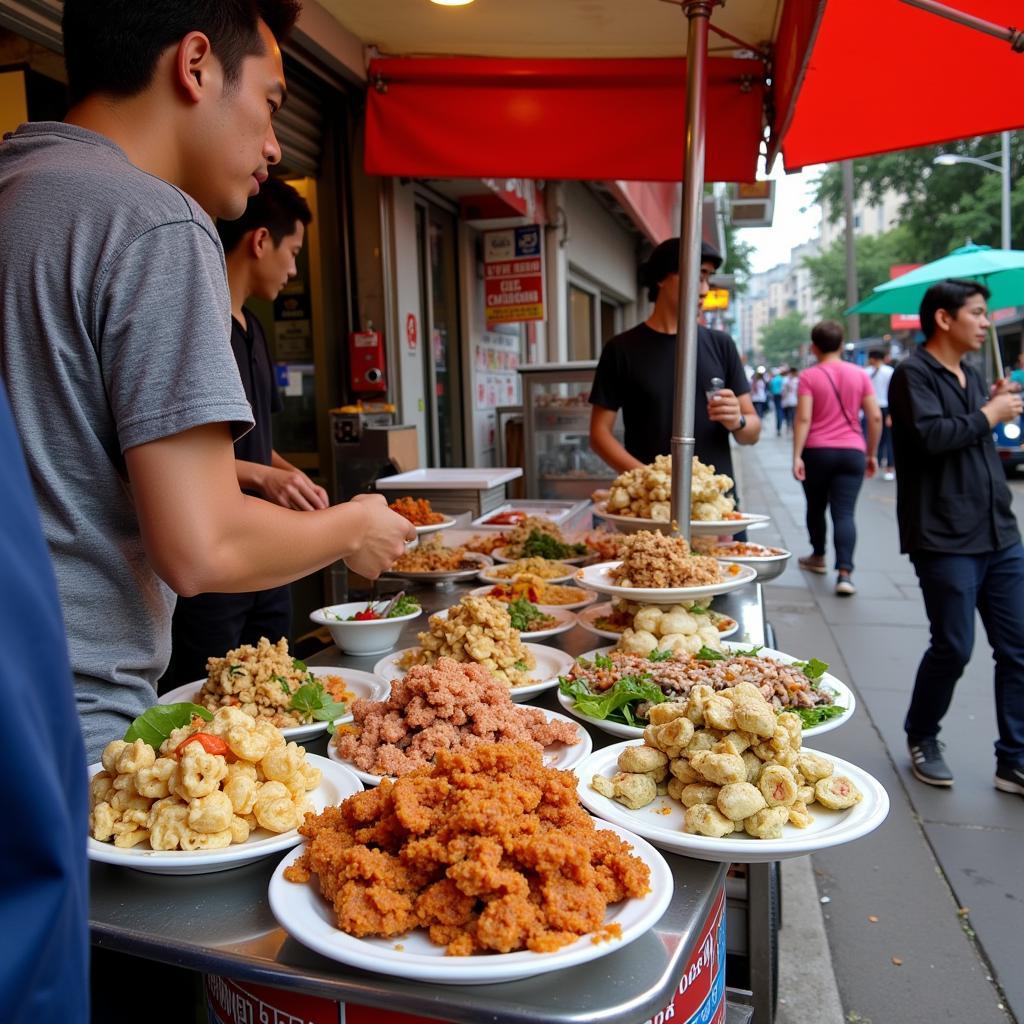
[796, 218]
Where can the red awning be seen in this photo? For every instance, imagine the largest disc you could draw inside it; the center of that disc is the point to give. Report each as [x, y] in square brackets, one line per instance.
[601, 119]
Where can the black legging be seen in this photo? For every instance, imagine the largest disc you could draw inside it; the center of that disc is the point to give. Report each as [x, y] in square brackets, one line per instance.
[833, 477]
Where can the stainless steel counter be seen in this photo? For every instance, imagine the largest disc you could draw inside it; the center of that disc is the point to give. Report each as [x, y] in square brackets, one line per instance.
[221, 923]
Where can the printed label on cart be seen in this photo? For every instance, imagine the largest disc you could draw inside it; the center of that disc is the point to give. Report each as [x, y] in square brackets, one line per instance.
[233, 1002]
[700, 994]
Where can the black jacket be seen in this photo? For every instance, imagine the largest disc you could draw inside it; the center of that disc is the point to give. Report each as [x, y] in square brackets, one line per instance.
[951, 491]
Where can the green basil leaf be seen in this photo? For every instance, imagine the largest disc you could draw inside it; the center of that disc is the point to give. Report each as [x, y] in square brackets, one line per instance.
[155, 724]
[815, 716]
[283, 683]
[603, 661]
[707, 654]
[657, 655]
[299, 666]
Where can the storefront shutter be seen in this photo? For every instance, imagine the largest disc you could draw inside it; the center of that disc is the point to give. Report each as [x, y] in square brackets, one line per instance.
[38, 20]
[299, 123]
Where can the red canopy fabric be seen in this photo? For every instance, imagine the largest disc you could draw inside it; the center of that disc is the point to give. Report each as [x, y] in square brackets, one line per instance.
[598, 119]
[881, 75]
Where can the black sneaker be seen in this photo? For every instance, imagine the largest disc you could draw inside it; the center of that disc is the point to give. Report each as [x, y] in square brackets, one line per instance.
[928, 764]
[1010, 779]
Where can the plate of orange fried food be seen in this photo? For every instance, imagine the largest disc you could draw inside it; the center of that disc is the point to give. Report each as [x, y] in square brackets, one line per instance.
[420, 513]
[436, 838]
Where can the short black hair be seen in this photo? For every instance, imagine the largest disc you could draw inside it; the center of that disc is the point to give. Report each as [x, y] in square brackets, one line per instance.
[664, 260]
[827, 336]
[277, 207]
[951, 295]
[876, 353]
[112, 46]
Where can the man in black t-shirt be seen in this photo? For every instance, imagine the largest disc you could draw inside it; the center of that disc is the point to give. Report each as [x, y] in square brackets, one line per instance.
[636, 374]
[260, 251]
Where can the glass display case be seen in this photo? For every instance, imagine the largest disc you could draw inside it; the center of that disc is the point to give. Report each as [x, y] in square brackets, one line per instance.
[556, 421]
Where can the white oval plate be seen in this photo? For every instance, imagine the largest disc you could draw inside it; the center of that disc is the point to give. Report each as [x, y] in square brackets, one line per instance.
[489, 576]
[566, 620]
[586, 597]
[309, 919]
[843, 696]
[725, 527]
[563, 756]
[445, 524]
[595, 577]
[662, 821]
[498, 554]
[631, 524]
[551, 663]
[587, 619]
[336, 784]
[362, 684]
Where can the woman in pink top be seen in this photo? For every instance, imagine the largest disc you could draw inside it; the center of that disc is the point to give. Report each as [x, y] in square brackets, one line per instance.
[830, 457]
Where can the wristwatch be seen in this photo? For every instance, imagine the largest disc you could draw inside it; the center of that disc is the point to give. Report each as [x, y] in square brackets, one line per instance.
[742, 424]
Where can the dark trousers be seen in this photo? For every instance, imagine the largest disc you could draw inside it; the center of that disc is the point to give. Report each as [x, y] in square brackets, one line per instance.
[833, 480]
[761, 408]
[885, 455]
[210, 625]
[777, 403]
[953, 587]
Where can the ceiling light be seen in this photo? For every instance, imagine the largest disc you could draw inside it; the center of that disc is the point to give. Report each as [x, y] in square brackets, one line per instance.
[451, 3]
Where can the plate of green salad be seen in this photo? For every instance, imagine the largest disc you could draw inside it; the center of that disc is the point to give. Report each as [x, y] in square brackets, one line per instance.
[541, 544]
[614, 690]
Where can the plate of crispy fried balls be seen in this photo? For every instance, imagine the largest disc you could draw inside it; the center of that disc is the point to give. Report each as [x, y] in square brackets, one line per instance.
[481, 867]
[723, 776]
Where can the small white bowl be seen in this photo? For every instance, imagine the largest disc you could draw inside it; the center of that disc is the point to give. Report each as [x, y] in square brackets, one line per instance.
[364, 636]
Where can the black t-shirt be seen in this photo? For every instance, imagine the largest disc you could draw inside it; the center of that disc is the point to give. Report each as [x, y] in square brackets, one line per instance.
[637, 373]
[249, 345]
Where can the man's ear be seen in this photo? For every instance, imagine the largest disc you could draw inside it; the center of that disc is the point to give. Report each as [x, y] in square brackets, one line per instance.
[943, 319]
[195, 65]
[259, 242]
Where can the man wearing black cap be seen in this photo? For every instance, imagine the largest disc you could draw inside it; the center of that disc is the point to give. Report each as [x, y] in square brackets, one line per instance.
[637, 374]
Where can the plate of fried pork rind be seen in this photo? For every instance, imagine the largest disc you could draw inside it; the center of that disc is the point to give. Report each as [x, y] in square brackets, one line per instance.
[468, 859]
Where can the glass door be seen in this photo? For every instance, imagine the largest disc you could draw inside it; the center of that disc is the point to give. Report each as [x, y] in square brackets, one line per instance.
[436, 253]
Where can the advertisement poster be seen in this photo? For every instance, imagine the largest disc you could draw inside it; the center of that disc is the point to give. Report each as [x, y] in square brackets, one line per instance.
[496, 370]
[514, 275]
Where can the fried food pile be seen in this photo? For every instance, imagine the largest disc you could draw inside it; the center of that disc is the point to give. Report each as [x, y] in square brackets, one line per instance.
[657, 560]
[445, 707]
[417, 510]
[209, 786]
[542, 568]
[261, 681]
[487, 849]
[708, 499]
[646, 492]
[432, 556]
[477, 629]
[733, 763]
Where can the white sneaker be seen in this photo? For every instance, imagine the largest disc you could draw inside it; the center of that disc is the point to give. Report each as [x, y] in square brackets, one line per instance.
[845, 587]
[888, 475]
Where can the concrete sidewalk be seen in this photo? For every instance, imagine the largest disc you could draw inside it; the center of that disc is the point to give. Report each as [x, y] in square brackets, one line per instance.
[923, 917]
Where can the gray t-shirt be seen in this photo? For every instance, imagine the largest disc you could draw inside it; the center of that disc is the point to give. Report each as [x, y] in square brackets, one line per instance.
[114, 331]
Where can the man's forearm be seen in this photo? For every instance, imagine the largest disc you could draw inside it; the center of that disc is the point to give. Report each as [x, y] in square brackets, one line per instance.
[605, 444]
[251, 475]
[751, 432]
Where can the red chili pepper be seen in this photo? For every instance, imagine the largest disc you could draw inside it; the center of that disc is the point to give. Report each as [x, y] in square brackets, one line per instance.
[366, 615]
[211, 744]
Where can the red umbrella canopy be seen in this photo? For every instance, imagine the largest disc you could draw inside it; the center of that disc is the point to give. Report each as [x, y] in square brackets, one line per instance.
[550, 90]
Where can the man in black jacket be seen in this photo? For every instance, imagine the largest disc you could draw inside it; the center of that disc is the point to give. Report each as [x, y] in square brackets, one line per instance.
[957, 525]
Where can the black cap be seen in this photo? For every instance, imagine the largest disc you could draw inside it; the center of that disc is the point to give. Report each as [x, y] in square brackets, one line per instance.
[664, 260]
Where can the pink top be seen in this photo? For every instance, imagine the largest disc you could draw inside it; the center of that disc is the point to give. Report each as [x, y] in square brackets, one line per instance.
[830, 428]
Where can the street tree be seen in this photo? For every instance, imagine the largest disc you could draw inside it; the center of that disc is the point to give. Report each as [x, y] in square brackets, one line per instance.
[782, 340]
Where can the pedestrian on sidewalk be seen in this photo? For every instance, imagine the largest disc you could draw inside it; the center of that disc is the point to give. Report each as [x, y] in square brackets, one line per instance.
[759, 393]
[830, 455]
[881, 374]
[790, 393]
[775, 386]
[957, 524]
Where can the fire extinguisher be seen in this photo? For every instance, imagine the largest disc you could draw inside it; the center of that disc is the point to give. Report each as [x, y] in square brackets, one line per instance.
[366, 360]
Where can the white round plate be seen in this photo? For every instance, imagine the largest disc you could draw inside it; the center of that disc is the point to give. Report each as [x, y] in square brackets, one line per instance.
[566, 620]
[445, 576]
[362, 684]
[336, 784]
[563, 756]
[631, 524]
[550, 664]
[445, 524]
[587, 619]
[596, 577]
[842, 696]
[490, 576]
[662, 821]
[586, 597]
[725, 527]
[309, 919]
[498, 554]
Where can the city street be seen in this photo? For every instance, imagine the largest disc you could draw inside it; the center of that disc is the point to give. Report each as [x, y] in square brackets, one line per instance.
[923, 916]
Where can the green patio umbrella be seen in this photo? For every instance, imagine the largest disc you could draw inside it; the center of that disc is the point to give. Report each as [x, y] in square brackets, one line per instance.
[1000, 270]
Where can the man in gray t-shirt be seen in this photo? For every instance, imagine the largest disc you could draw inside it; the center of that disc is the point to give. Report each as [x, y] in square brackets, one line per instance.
[114, 328]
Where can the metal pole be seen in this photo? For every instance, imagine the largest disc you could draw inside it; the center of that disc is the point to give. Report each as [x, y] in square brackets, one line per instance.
[699, 14]
[853, 320]
[1007, 234]
[1013, 36]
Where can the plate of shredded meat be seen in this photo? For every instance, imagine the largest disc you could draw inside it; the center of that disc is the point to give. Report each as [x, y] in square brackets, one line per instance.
[603, 577]
[434, 563]
[448, 706]
[471, 859]
[611, 689]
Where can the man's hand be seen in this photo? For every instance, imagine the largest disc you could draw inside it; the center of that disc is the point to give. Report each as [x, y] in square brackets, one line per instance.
[1003, 407]
[383, 537]
[799, 473]
[291, 488]
[724, 408]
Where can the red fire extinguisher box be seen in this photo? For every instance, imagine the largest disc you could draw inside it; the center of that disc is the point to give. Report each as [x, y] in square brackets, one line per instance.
[366, 362]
